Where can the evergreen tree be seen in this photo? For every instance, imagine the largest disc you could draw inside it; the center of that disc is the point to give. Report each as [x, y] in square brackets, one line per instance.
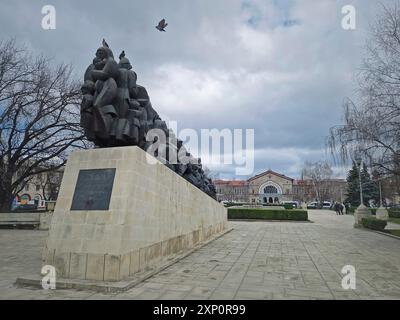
[369, 187]
[353, 187]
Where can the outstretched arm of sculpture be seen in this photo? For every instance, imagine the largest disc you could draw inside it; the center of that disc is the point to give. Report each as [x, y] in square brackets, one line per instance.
[110, 70]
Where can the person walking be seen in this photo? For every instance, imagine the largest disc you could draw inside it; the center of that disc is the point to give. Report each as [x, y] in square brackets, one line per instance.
[347, 207]
[341, 208]
[337, 209]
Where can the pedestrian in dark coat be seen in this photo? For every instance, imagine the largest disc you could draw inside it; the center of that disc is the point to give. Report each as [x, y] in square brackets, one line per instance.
[337, 208]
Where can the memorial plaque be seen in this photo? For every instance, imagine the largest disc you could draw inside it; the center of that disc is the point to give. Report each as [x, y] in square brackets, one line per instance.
[93, 189]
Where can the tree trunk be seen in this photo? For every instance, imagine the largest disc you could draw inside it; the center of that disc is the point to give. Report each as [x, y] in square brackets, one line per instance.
[316, 192]
[6, 198]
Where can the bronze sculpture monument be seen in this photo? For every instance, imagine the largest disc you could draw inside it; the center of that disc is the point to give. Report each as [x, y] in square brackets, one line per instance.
[116, 111]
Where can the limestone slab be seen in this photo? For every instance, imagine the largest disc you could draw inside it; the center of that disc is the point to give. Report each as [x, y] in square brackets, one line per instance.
[152, 213]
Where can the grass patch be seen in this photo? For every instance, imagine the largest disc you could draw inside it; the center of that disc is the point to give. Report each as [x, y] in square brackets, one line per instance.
[394, 213]
[267, 214]
[394, 220]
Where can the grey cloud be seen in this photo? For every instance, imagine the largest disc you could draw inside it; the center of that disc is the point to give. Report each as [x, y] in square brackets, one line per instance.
[215, 69]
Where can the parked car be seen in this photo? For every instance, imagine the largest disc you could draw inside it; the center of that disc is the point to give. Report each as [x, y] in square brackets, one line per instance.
[25, 208]
[312, 205]
[326, 205]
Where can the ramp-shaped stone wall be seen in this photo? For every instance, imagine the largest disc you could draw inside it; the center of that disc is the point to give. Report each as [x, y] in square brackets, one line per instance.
[153, 213]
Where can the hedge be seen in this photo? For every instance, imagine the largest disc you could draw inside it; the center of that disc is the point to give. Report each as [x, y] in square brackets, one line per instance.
[373, 223]
[394, 213]
[232, 204]
[267, 214]
[288, 206]
[353, 209]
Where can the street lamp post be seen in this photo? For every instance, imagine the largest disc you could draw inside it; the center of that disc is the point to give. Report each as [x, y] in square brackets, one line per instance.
[359, 179]
[381, 212]
[362, 211]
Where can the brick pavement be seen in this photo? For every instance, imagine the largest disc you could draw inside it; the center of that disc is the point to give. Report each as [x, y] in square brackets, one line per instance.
[257, 260]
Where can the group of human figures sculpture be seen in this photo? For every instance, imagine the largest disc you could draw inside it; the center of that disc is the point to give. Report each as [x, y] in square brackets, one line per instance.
[116, 111]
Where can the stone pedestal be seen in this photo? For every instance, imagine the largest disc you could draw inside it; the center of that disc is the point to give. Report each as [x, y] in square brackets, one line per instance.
[382, 214]
[152, 214]
[361, 212]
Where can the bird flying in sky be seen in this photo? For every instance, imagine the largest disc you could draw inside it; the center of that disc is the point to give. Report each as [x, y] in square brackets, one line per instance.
[161, 25]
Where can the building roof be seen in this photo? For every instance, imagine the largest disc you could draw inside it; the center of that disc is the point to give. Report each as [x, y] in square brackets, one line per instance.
[302, 182]
[231, 183]
[269, 171]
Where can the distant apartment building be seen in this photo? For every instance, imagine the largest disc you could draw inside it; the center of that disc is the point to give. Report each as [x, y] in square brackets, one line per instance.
[330, 190]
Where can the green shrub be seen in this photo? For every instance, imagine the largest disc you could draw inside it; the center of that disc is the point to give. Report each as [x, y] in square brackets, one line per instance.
[267, 214]
[351, 209]
[394, 213]
[233, 204]
[288, 206]
[373, 223]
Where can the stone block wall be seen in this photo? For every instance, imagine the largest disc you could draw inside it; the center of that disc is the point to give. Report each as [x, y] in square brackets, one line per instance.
[154, 213]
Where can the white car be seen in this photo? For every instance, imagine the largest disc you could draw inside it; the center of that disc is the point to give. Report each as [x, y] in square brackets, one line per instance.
[312, 205]
[326, 205]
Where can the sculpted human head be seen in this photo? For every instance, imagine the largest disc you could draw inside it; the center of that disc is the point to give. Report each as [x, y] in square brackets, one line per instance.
[124, 62]
[102, 54]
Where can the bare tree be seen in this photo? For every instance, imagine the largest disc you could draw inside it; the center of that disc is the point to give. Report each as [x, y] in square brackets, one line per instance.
[50, 183]
[372, 121]
[304, 190]
[319, 173]
[39, 118]
[390, 188]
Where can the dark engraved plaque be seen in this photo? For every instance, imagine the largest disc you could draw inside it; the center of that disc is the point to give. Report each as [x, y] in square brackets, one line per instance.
[93, 189]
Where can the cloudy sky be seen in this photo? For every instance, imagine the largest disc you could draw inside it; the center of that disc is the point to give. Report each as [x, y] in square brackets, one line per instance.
[280, 67]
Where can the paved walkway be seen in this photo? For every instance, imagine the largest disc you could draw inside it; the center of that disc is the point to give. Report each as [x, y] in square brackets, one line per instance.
[257, 260]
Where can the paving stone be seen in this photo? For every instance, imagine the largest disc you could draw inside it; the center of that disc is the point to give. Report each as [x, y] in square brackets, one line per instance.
[173, 295]
[257, 260]
[253, 295]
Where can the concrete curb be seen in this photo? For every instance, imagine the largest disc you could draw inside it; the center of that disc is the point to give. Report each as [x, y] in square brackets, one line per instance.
[379, 232]
[265, 220]
[388, 234]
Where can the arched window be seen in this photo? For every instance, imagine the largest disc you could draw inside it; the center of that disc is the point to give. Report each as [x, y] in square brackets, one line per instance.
[25, 198]
[37, 198]
[270, 189]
